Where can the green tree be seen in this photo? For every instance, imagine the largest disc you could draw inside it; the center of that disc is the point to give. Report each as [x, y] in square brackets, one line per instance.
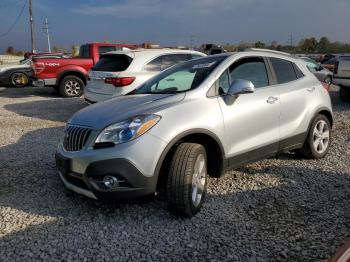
[324, 45]
[259, 44]
[10, 50]
[308, 45]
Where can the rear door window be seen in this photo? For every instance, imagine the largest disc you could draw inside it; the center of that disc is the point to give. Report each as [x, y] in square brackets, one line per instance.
[154, 65]
[284, 70]
[173, 59]
[113, 63]
[165, 61]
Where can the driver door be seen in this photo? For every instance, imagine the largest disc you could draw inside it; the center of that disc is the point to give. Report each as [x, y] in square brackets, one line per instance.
[252, 121]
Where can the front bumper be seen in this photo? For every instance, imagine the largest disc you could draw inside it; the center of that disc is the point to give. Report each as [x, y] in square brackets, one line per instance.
[131, 163]
[90, 184]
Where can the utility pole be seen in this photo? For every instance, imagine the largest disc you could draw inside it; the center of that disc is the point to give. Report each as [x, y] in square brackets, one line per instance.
[31, 26]
[291, 40]
[47, 32]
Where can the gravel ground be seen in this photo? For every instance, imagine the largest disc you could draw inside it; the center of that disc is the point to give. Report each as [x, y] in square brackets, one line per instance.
[283, 208]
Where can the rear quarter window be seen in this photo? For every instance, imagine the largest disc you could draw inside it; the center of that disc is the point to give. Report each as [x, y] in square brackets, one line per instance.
[284, 70]
[113, 63]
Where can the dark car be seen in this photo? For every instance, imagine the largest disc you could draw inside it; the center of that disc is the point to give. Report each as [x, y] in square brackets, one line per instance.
[16, 74]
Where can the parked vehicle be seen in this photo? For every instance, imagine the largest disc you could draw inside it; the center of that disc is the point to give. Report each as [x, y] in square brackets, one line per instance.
[322, 74]
[330, 64]
[324, 58]
[16, 74]
[68, 75]
[119, 73]
[195, 120]
[19, 74]
[342, 78]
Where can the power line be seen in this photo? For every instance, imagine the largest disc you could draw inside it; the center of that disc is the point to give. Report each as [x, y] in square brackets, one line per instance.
[16, 21]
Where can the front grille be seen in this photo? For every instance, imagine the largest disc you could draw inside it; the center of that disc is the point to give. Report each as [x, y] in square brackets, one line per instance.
[75, 138]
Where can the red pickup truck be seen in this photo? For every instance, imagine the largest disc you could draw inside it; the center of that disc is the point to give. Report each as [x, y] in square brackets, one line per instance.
[68, 75]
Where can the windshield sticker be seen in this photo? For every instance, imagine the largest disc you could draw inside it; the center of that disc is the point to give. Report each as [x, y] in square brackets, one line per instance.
[206, 65]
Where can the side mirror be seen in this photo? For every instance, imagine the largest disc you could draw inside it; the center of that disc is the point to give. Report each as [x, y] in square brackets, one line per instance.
[238, 87]
[320, 68]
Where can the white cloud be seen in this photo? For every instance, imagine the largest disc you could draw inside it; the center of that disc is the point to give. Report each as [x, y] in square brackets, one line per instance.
[158, 7]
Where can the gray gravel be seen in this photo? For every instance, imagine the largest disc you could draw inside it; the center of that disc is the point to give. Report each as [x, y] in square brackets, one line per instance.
[283, 208]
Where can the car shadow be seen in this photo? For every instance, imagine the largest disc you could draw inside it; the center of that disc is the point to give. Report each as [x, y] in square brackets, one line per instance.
[245, 220]
[28, 91]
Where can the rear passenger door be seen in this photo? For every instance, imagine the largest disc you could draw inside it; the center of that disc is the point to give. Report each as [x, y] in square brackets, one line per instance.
[252, 121]
[296, 93]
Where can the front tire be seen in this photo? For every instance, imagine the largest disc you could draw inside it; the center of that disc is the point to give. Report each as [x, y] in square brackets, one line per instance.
[344, 93]
[328, 80]
[318, 140]
[71, 86]
[19, 79]
[187, 179]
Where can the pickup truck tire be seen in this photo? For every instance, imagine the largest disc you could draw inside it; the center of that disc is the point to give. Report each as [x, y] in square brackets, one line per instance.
[187, 179]
[318, 139]
[71, 86]
[344, 93]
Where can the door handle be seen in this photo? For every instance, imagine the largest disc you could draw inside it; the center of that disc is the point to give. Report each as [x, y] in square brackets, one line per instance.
[271, 99]
[311, 89]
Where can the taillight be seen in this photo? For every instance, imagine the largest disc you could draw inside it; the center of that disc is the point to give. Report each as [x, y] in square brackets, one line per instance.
[326, 86]
[119, 81]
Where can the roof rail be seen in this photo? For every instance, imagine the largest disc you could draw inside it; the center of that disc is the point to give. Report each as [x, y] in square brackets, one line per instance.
[268, 51]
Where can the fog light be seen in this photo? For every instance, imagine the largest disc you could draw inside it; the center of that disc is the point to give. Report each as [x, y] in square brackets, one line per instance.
[111, 181]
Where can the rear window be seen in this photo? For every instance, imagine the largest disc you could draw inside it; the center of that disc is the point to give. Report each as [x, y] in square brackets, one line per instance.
[113, 63]
[84, 51]
[284, 70]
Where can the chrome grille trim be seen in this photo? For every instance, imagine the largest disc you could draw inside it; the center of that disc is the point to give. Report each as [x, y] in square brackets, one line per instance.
[75, 138]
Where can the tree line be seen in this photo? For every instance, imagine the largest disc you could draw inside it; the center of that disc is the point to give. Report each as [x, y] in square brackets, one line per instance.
[307, 45]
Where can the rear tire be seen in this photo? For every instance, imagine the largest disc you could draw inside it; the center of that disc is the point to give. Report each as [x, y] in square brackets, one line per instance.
[318, 139]
[344, 93]
[187, 179]
[71, 86]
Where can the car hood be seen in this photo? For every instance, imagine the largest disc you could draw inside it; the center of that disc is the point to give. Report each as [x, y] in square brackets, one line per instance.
[103, 114]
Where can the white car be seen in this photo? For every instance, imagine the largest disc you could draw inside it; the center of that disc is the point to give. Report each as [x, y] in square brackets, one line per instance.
[120, 72]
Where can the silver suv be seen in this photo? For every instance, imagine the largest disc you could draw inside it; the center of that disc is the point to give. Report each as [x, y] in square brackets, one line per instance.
[194, 120]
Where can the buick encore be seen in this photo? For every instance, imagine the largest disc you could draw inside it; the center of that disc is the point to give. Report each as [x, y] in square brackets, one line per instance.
[193, 121]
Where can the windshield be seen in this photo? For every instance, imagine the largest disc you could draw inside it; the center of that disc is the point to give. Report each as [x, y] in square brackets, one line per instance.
[181, 78]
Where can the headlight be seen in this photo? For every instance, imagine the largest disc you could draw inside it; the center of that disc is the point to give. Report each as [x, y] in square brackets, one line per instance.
[127, 130]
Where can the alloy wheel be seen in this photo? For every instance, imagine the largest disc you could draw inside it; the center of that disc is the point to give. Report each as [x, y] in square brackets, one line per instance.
[72, 87]
[321, 136]
[198, 180]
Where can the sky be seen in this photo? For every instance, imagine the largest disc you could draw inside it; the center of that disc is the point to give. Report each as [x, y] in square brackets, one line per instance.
[172, 22]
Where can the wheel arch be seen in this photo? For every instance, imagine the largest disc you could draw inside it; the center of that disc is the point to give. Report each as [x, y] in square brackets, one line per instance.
[216, 160]
[326, 113]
